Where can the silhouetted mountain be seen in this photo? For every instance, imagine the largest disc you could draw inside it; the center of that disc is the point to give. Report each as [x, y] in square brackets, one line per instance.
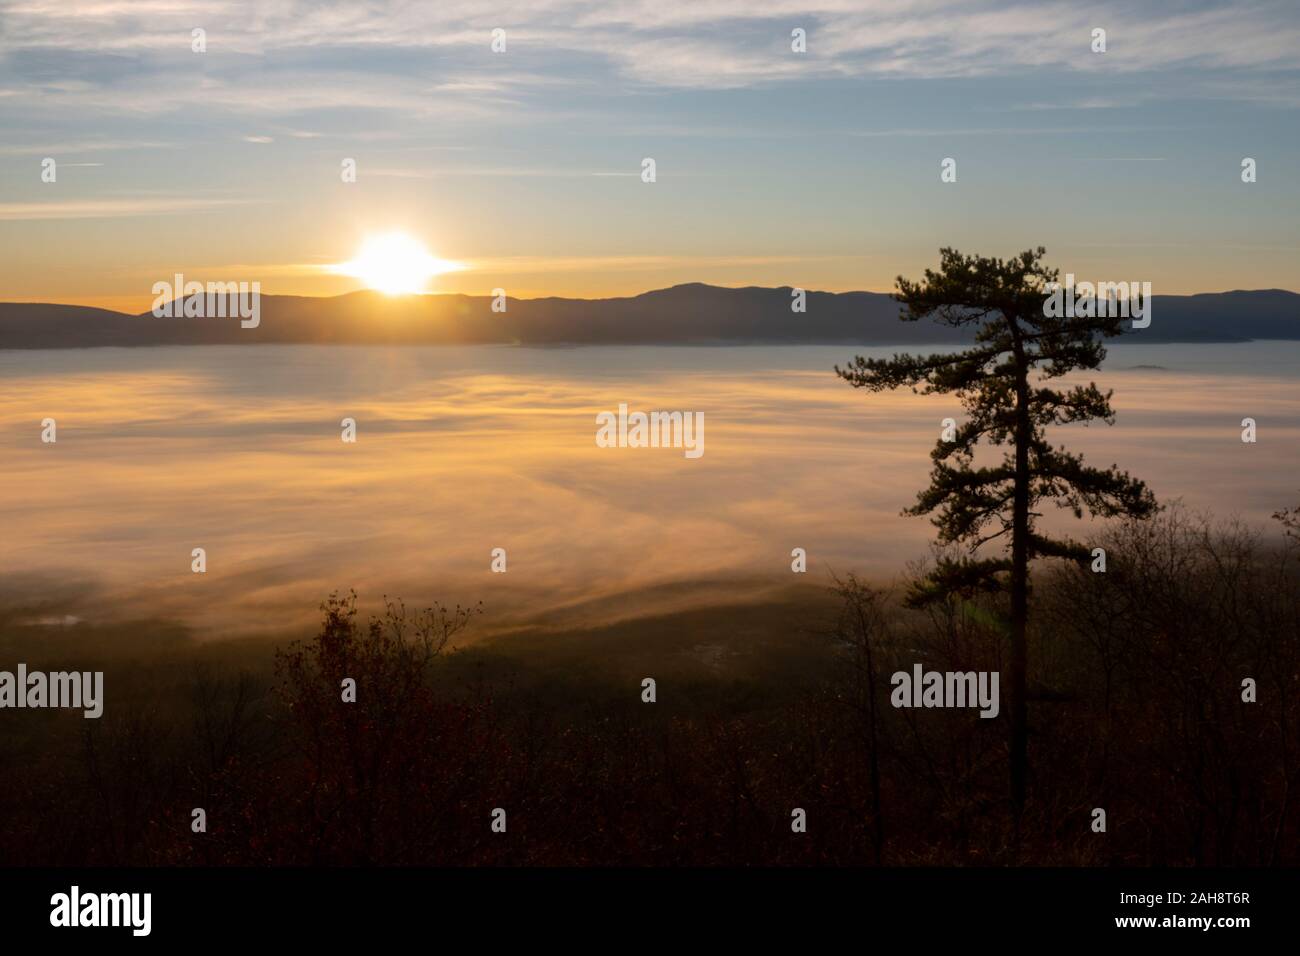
[692, 314]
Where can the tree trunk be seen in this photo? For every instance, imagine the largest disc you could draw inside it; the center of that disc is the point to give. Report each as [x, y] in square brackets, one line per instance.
[1020, 589]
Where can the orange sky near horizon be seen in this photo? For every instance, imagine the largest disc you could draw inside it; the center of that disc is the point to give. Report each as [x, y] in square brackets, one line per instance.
[529, 278]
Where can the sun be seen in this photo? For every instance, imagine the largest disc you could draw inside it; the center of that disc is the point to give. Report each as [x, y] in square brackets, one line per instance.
[395, 264]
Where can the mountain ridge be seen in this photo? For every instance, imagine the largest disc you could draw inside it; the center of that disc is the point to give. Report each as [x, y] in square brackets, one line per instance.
[683, 314]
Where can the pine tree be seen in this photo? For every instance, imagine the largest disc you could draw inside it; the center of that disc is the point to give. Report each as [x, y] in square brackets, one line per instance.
[1002, 381]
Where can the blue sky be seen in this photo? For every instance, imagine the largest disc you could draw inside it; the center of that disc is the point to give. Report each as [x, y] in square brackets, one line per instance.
[818, 169]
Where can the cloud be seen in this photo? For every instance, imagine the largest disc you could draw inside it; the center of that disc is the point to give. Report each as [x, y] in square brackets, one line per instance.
[88, 146]
[109, 208]
[1075, 130]
[494, 172]
[697, 44]
[528, 265]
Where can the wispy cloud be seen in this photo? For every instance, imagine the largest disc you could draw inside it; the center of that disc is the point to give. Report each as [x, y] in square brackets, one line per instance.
[544, 264]
[945, 132]
[57, 149]
[110, 208]
[502, 172]
[709, 44]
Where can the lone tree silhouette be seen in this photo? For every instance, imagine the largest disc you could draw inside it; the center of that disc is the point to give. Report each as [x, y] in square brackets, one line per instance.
[1000, 381]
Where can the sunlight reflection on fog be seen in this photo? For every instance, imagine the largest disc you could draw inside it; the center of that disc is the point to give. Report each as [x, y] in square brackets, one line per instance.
[462, 450]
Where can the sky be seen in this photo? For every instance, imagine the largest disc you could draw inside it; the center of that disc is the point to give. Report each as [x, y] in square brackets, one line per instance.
[523, 167]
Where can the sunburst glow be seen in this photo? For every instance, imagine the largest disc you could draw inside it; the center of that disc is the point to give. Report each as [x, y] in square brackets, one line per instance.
[395, 264]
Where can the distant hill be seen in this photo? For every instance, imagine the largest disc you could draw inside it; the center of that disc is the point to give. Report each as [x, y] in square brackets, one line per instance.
[692, 314]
